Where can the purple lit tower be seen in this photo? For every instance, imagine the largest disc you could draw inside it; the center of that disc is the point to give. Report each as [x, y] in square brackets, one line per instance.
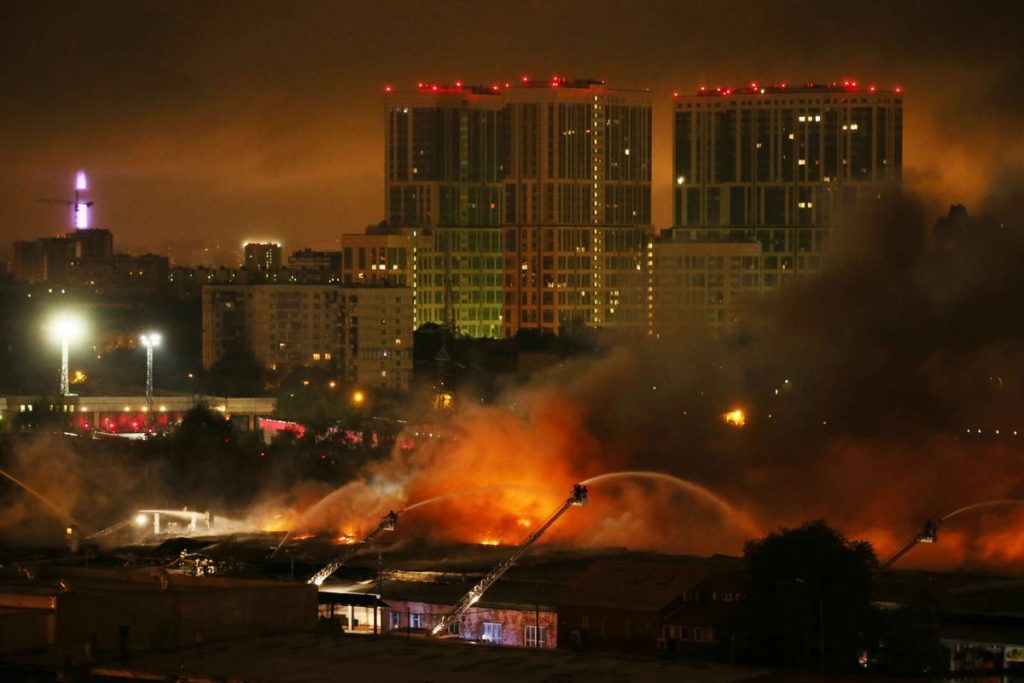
[80, 209]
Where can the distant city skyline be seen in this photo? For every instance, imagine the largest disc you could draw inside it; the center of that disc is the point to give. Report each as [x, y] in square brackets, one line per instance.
[221, 123]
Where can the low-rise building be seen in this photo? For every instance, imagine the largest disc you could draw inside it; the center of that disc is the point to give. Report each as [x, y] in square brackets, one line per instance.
[105, 610]
[640, 607]
[511, 613]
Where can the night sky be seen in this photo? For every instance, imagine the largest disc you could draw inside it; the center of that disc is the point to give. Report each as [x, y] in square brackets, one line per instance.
[227, 120]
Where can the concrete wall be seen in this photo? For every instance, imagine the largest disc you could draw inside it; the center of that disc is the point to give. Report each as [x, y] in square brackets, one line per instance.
[25, 630]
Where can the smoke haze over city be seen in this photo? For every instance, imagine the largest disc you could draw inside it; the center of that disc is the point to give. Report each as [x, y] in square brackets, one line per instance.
[225, 122]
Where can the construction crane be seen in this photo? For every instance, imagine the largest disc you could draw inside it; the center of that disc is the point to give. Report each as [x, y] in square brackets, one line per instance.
[79, 205]
[578, 497]
[387, 523]
[929, 533]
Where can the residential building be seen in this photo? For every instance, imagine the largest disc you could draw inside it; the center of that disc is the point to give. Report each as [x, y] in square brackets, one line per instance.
[309, 259]
[364, 333]
[445, 152]
[127, 271]
[451, 267]
[49, 260]
[561, 167]
[262, 256]
[784, 165]
[381, 256]
[701, 285]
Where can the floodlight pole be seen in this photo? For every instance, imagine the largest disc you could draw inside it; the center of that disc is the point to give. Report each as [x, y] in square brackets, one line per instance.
[149, 376]
[65, 386]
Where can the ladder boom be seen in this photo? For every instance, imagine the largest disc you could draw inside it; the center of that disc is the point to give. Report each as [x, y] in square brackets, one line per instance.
[386, 524]
[578, 497]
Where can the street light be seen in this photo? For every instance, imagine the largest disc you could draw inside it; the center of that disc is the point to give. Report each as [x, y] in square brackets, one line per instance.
[150, 340]
[358, 397]
[65, 328]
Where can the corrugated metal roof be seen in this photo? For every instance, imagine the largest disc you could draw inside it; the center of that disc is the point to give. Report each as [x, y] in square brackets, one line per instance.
[643, 586]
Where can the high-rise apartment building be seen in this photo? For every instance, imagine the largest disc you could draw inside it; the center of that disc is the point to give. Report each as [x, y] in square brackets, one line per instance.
[783, 165]
[562, 167]
[446, 156]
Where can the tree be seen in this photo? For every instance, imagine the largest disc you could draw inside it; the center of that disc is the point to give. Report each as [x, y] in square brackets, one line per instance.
[236, 374]
[907, 642]
[203, 428]
[808, 601]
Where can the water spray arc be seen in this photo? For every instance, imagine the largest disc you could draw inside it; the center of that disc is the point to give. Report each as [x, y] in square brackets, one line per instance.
[60, 514]
[726, 510]
[422, 503]
[929, 533]
[388, 523]
[576, 498]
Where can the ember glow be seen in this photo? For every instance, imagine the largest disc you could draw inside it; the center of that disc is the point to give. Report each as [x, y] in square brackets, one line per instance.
[735, 417]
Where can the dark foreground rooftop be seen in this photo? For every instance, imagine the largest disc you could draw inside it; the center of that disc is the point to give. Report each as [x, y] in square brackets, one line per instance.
[323, 657]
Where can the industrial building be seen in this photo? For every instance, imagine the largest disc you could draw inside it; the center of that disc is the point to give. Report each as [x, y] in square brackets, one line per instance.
[114, 610]
[134, 414]
[645, 607]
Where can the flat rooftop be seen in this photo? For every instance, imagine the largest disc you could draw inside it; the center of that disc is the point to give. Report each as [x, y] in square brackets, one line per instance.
[313, 658]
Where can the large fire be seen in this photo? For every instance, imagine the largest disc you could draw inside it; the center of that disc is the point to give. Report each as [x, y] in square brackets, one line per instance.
[507, 469]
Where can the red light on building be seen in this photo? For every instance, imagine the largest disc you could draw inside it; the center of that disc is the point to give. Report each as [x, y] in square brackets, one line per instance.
[525, 78]
[898, 89]
[387, 88]
[872, 88]
[458, 84]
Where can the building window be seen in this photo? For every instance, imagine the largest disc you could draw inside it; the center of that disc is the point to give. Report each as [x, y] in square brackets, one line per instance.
[530, 637]
[415, 620]
[396, 620]
[492, 632]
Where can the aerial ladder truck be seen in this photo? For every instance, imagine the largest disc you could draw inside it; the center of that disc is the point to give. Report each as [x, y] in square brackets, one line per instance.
[577, 498]
[387, 523]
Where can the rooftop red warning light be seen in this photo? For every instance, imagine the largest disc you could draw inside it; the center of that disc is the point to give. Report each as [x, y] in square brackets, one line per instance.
[754, 88]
